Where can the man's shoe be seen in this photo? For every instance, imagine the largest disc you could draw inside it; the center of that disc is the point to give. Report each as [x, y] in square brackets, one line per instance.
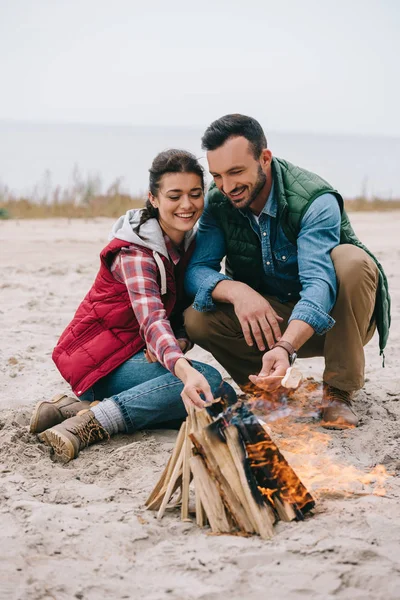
[68, 438]
[337, 412]
[48, 413]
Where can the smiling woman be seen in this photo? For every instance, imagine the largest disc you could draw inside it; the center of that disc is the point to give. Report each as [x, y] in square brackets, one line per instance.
[179, 200]
[124, 348]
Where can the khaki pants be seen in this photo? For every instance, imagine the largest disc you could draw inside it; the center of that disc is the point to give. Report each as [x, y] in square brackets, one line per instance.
[220, 333]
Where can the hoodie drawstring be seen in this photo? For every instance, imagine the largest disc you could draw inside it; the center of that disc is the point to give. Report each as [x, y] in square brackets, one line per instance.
[163, 274]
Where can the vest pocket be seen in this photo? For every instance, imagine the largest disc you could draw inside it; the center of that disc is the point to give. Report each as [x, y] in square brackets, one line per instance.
[90, 332]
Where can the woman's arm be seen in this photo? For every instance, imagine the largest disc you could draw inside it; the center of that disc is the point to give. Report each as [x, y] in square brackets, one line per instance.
[139, 273]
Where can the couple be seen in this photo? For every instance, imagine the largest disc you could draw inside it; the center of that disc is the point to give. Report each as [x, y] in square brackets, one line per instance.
[298, 281]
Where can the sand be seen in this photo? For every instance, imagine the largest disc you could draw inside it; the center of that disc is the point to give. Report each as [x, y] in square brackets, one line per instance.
[81, 531]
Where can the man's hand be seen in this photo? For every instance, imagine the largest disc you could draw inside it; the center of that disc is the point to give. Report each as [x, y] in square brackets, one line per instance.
[257, 319]
[274, 366]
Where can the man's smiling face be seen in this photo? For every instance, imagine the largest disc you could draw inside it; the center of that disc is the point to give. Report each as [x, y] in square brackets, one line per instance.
[236, 172]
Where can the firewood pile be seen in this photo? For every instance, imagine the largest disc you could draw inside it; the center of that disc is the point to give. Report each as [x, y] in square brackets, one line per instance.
[242, 483]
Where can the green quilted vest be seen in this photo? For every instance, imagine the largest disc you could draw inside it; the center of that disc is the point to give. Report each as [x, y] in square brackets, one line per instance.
[295, 190]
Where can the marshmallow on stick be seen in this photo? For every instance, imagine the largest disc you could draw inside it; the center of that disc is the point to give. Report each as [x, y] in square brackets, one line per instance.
[293, 378]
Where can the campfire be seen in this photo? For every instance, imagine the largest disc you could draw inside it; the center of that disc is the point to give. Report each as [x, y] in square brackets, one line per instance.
[294, 417]
[239, 480]
[242, 482]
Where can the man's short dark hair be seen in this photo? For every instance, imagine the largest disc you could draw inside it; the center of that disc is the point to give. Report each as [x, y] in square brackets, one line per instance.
[231, 126]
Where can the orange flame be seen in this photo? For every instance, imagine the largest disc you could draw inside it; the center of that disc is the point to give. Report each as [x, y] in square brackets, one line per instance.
[268, 493]
[307, 448]
[282, 478]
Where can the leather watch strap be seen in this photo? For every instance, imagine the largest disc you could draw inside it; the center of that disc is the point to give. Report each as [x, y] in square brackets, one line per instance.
[289, 349]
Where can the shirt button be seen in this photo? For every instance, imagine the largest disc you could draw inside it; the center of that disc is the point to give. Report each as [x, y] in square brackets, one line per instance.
[264, 233]
[289, 293]
[267, 263]
[283, 257]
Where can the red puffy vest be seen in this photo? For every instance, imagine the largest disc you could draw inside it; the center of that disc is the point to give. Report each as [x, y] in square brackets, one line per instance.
[104, 332]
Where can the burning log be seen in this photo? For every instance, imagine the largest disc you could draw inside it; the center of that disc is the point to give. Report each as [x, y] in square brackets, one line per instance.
[276, 480]
[242, 483]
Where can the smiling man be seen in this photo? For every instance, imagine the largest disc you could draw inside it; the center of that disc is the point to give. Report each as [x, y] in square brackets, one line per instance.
[298, 280]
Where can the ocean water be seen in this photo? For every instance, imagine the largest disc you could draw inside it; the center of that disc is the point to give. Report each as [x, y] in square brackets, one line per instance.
[35, 158]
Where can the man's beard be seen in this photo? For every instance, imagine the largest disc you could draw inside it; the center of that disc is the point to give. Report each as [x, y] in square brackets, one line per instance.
[258, 186]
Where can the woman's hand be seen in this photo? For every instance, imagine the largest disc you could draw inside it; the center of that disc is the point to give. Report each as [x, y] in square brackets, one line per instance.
[194, 384]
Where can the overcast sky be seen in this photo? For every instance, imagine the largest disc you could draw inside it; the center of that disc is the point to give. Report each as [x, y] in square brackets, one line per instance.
[296, 65]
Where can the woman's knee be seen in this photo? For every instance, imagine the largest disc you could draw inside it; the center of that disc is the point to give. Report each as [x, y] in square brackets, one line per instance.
[212, 375]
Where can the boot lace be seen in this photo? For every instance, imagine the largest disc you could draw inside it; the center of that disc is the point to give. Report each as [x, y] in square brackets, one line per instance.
[90, 431]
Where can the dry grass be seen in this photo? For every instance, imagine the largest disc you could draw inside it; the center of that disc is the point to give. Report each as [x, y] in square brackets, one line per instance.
[117, 204]
[85, 199]
[374, 204]
[97, 206]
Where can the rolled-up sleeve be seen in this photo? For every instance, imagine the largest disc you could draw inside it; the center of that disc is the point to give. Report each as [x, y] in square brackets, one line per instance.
[319, 234]
[204, 270]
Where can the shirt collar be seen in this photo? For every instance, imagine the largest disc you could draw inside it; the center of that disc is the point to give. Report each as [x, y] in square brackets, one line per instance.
[173, 251]
[270, 207]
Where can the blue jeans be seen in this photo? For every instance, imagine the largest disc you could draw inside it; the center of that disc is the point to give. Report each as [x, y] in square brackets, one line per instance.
[147, 394]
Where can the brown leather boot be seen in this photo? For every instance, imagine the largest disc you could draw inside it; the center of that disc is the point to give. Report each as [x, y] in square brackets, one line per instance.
[48, 413]
[68, 438]
[337, 412]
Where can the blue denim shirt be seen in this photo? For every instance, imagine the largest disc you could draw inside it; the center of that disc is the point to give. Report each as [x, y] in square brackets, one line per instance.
[303, 274]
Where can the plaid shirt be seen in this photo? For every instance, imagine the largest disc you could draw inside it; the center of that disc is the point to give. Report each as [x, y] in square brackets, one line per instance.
[139, 273]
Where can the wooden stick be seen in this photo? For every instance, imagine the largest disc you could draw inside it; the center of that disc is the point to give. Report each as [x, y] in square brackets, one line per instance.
[162, 483]
[176, 502]
[187, 452]
[176, 473]
[202, 419]
[201, 518]
[209, 496]
[176, 451]
[217, 456]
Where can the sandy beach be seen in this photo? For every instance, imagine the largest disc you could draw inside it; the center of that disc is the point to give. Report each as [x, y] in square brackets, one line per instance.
[81, 530]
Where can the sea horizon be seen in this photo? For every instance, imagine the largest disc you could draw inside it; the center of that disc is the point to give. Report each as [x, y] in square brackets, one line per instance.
[36, 157]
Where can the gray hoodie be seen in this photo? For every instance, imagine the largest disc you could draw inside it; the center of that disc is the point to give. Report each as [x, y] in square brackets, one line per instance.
[149, 236]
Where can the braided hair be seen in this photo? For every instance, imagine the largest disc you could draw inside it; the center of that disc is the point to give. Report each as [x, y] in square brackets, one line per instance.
[169, 161]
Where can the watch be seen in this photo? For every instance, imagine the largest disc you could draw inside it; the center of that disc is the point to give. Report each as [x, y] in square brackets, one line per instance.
[289, 349]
